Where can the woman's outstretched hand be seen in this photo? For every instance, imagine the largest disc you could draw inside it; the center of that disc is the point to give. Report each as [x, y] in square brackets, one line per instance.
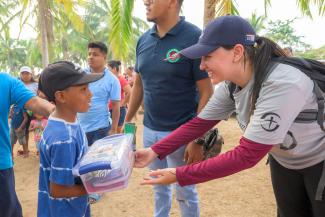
[161, 177]
[143, 157]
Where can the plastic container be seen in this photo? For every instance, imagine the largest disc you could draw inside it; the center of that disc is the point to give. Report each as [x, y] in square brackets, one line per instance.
[107, 165]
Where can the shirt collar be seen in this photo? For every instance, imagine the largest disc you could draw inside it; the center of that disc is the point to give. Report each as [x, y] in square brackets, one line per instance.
[88, 70]
[174, 31]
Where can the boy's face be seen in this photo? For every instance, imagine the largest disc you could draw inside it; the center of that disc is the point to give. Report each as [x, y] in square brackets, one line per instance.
[96, 58]
[75, 98]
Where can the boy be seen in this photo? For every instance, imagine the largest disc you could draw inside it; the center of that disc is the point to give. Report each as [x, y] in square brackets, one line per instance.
[19, 119]
[63, 142]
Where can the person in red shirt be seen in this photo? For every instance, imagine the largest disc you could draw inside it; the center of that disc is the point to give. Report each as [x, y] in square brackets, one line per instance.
[114, 67]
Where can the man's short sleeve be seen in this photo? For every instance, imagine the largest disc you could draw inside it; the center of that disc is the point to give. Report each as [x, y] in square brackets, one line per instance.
[19, 94]
[63, 157]
[116, 90]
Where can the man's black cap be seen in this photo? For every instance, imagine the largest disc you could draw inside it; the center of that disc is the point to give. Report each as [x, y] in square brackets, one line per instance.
[61, 75]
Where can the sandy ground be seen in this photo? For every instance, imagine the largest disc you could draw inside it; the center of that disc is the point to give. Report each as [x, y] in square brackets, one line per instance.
[246, 194]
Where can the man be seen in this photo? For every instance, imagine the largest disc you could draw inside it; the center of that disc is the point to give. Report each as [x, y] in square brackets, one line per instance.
[97, 122]
[12, 92]
[168, 83]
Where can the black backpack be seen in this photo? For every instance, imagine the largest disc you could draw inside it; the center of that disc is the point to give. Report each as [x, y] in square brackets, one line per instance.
[313, 69]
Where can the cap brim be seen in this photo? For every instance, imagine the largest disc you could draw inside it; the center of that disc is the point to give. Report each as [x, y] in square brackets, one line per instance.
[88, 78]
[197, 51]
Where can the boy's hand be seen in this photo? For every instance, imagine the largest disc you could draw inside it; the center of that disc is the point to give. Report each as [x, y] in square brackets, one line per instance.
[18, 130]
[143, 157]
[112, 131]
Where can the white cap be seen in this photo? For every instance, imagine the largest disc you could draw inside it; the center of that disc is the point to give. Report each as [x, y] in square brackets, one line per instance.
[25, 69]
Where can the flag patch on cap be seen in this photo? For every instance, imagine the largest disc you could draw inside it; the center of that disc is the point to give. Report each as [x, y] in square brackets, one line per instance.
[250, 38]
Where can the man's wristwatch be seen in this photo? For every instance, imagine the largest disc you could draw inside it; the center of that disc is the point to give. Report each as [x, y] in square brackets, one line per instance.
[199, 141]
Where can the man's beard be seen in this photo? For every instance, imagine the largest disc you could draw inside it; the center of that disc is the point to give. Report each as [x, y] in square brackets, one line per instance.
[153, 20]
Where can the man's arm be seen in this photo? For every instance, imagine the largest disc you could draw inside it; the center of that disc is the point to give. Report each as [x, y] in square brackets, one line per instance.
[23, 123]
[135, 99]
[39, 106]
[115, 117]
[127, 94]
[205, 91]
[194, 152]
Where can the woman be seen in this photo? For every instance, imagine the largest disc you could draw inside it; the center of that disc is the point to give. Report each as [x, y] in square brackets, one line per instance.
[26, 77]
[114, 67]
[267, 101]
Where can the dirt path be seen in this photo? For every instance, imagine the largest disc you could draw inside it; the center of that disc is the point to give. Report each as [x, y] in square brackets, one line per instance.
[247, 194]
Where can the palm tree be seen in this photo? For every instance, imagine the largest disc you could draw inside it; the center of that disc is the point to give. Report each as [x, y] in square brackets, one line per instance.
[120, 36]
[213, 8]
[257, 22]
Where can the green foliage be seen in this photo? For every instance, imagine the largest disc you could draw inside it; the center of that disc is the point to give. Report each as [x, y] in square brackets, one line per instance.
[258, 22]
[75, 25]
[318, 54]
[304, 6]
[283, 33]
[224, 7]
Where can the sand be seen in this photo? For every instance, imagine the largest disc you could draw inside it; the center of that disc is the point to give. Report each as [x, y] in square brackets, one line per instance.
[246, 194]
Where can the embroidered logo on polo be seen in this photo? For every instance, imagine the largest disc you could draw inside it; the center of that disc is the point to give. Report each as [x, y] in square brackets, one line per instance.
[270, 122]
[173, 55]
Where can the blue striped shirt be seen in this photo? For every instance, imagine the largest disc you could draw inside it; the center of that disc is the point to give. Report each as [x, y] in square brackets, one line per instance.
[61, 147]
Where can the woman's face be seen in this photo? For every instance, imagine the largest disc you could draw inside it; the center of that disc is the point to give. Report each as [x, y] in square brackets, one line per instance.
[26, 77]
[221, 64]
[113, 70]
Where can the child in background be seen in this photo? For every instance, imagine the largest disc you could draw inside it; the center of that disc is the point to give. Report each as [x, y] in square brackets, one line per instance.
[19, 119]
[63, 142]
[37, 125]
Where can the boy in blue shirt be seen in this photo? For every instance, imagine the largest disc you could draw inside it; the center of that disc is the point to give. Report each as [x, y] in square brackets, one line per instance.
[63, 142]
[19, 119]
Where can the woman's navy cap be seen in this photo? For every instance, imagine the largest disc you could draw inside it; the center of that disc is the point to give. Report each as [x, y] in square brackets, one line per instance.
[61, 75]
[223, 31]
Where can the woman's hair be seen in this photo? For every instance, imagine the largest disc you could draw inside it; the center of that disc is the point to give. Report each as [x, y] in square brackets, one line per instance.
[115, 64]
[260, 56]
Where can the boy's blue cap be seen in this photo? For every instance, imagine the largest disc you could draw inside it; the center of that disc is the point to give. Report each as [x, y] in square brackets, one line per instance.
[223, 31]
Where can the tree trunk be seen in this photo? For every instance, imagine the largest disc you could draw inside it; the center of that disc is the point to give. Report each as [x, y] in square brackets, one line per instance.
[209, 11]
[45, 22]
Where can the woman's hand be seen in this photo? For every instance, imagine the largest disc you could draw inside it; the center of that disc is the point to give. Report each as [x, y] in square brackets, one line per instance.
[143, 157]
[161, 177]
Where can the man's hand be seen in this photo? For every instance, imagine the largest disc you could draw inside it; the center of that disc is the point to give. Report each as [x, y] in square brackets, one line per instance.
[144, 157]
[193, 153]
[161, 177]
